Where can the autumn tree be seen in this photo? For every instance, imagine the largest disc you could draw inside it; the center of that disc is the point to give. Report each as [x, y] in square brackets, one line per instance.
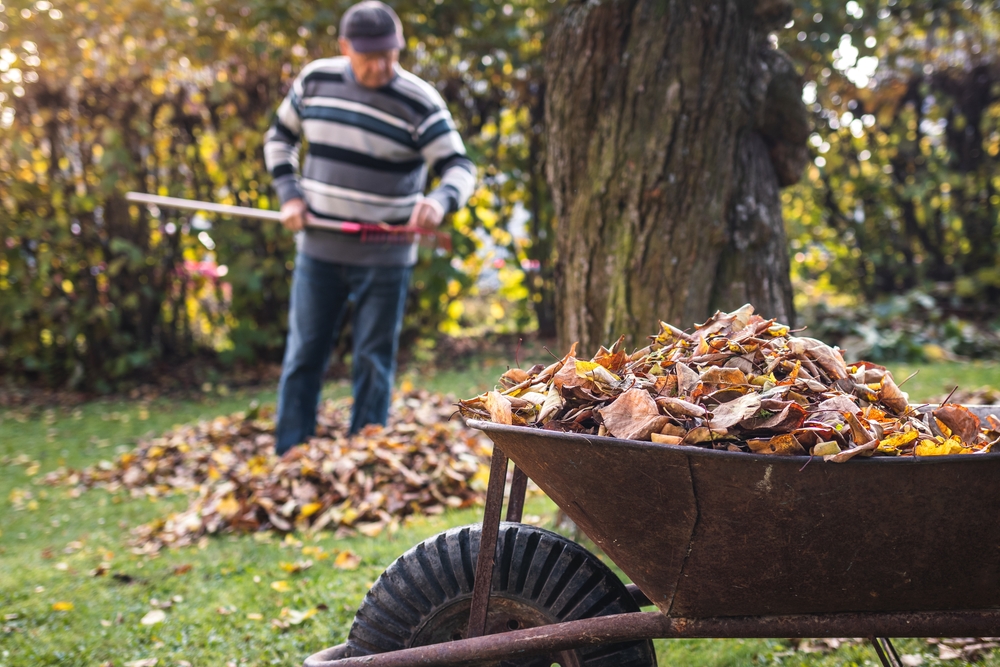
[671, 127]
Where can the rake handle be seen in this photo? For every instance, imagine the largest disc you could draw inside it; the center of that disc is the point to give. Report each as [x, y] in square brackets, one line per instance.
[274, 216]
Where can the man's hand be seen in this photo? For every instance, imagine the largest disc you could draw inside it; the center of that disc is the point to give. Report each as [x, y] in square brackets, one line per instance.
[427, 213]
[293, 215]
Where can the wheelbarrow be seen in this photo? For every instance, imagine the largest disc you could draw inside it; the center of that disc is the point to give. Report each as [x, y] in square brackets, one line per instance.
[723, 544]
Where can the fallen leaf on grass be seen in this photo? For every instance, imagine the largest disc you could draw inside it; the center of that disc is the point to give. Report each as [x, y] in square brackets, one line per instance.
[296, 567]
[153, 617]
[316, 552]
[373, 529]
[146, 662]
[295, 617]
[62, 606]
[184, 568]
[281, 586]
[254, 616]
[347, 560]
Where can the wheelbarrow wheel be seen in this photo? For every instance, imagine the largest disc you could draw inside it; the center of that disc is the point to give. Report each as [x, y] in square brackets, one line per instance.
[541, 578]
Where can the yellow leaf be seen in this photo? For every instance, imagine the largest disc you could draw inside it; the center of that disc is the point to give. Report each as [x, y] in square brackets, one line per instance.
[894, 442]
[347, 560]
[594, 371]
[310, 509]
[349, 516]
[931, 448]
[281, 586]
[228, 507]
[62, 606]
[255, 617]
[297, 566]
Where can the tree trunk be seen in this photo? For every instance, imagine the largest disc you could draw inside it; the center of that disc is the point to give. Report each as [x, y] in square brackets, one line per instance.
[671, 127]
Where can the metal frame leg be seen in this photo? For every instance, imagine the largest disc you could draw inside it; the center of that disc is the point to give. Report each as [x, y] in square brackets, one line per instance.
[518, 489]
[886, 652]
[488, 544]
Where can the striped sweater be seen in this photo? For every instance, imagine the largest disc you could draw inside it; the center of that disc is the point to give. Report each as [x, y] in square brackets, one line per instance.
[367, 156]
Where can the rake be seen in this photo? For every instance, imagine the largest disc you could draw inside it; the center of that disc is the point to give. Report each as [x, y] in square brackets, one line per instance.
[370, 232]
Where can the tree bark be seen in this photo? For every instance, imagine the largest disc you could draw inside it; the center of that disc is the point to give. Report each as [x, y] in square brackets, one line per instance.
[665, 159]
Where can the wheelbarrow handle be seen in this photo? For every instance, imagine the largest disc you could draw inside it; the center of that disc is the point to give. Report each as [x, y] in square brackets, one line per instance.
[638, 625]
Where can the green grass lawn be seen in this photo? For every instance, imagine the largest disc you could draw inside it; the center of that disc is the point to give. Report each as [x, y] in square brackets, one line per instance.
[222, 601]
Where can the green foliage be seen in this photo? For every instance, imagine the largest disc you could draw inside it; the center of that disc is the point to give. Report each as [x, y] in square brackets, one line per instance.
[173, 98]
[903, 192]
[914, 326]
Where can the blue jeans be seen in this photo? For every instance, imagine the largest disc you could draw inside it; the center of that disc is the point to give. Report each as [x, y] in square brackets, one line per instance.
[321, 292]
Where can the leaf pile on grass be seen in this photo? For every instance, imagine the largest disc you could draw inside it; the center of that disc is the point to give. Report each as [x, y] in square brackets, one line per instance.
[421, 462]
[967, 649]
[737, 382]
[978, 396]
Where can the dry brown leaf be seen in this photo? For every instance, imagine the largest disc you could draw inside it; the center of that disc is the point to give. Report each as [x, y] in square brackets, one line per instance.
[723, 376]
[499, 408]
[679, 407]
[688, 379]
[735, 411]
[960, 420]
[848, 454]
[633, 416]
[892, 397]
[829, 359]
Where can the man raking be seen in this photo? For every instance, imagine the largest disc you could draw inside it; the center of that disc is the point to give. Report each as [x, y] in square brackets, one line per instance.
[372, 131]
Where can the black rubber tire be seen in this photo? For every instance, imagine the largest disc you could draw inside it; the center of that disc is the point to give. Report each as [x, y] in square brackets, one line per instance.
[424, 597]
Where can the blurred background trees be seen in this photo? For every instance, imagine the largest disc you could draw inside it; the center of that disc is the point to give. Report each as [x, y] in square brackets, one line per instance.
[893, 229]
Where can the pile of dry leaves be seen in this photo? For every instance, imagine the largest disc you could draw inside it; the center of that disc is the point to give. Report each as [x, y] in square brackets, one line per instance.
[738, 382]
[421, 462]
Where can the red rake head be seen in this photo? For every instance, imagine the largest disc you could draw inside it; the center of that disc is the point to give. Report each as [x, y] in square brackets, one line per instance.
[404, 235]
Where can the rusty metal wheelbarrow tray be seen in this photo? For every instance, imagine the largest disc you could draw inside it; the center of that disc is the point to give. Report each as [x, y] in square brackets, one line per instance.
[707, 533]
